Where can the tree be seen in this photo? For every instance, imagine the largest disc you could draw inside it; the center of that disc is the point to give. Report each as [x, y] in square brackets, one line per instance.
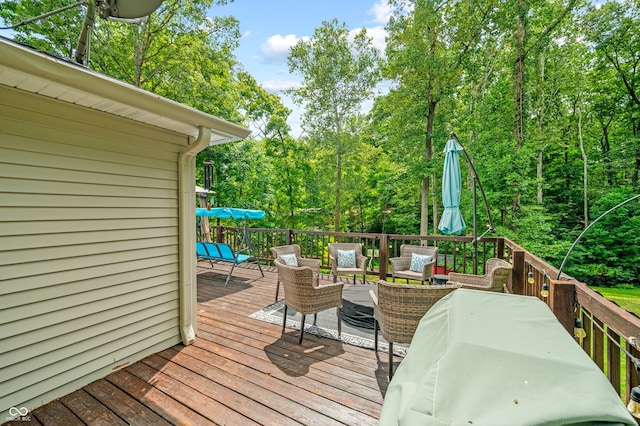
[176, 52]
[605, 255]
[338, 74]
[287, 157]
[536, 21]
[615, 30]
[57, 34]
[427, 45]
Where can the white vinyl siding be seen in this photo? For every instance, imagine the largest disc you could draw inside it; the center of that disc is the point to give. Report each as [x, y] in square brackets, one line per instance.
[88, 245]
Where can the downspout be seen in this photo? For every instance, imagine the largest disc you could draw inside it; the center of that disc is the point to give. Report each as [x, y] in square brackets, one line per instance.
[187, 235]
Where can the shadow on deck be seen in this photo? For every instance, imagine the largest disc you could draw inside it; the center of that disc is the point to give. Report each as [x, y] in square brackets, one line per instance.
[240, 371]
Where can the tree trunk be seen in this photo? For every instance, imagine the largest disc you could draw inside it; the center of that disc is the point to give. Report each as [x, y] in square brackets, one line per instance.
[338, 144]
[634, 177]
[338, 187]
[518, 128]
[520, 33]
[539, 177]
[428, 150]
[605, 146]
[540, 118]
[585, 202]
[140, 47]
[436, 218]
[205, 232]
[424, 206]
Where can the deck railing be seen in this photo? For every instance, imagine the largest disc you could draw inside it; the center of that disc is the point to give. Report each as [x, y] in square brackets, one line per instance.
[610, 330]
[608, 327]
[454, 253]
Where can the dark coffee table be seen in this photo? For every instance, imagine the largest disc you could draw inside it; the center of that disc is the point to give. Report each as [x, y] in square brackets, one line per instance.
[439, 279]
[357, 306]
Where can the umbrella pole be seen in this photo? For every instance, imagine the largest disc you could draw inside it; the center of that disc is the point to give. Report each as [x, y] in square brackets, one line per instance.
[476, 181]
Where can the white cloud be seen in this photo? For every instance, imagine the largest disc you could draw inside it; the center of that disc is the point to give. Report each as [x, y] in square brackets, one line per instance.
[272, 86]
[276, 48]
[381, 12]
[378, 36]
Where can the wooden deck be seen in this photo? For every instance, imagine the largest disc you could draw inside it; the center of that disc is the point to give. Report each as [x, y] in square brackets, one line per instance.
[240, 371]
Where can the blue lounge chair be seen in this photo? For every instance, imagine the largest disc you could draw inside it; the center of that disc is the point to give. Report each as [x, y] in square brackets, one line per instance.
[222, 252]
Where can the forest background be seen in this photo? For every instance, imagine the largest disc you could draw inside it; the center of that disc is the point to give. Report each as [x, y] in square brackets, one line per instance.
[544, 95]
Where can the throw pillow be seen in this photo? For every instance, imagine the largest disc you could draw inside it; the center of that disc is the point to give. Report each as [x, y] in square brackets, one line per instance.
[418, 261]
[346, 258]
[290, 259]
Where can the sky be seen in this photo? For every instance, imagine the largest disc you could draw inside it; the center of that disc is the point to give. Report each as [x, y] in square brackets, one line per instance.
[270, 27]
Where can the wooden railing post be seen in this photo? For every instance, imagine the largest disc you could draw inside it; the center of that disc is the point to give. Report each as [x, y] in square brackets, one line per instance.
[613, 359]
[288, 236]
[219, 234]
[562, 302]
[500, 248]
[632, 376]
[518, 276]
[383, 256]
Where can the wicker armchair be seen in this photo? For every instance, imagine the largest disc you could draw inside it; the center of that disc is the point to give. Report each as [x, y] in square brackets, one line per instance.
[294, 249]
[360, 261]
[401, 266]
[303, 295]
[495, 278]
[398, 308]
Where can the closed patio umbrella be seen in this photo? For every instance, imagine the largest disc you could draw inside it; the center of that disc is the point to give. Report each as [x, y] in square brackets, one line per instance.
[451, 221]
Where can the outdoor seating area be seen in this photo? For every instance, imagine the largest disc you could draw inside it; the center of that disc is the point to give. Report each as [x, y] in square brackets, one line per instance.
[244, 371]
[112, 317]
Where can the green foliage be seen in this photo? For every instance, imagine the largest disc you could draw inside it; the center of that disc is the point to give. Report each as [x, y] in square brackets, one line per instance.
[338, 74]
[450, 67]
[607, 254]
[57, 34]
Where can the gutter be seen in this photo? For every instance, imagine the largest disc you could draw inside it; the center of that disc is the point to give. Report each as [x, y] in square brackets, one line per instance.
[89, 87]
[187, 241]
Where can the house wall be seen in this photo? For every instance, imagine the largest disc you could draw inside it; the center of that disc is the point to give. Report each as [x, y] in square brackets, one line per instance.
[88, 245]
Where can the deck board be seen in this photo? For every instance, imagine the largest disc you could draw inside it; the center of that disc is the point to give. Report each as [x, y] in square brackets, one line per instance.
[56, 413]
[92, 411]
[239, 371]
[124, 405]
[135, 381]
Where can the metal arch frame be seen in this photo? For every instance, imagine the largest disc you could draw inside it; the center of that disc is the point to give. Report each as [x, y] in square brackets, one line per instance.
[566, 257]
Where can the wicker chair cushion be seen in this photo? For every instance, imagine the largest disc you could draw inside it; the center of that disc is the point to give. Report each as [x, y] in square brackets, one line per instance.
[418, 261]
[346, 258]
[289, 259]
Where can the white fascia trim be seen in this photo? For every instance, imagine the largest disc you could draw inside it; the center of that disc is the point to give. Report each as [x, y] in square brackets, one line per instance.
[20, 58]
